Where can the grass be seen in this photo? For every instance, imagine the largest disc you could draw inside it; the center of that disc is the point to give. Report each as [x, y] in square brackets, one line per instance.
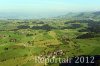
[20, 53]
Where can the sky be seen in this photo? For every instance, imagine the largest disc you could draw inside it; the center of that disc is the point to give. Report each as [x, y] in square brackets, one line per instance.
[46, 7]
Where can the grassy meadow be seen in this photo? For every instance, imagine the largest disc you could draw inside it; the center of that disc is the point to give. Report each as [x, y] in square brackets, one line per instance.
[22, 40]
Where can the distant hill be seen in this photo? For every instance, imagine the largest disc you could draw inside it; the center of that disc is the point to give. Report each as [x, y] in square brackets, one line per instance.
[70, 15]
[82, 15]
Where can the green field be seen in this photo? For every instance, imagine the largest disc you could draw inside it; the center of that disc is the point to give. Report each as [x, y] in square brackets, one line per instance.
[22, 40]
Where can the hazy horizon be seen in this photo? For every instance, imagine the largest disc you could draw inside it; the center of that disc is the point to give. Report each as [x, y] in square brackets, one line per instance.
[45, 8]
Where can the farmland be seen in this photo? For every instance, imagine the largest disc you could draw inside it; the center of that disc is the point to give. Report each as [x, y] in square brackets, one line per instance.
[22, 40]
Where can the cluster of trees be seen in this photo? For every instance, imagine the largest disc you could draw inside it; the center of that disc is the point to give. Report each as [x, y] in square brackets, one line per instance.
[25, 22]
[34, 22]
[23, 27]
[94, 27]
[84, 36]
[79, 21]
[72, 26]
[93, 31]
[44, 27]
[29, 35]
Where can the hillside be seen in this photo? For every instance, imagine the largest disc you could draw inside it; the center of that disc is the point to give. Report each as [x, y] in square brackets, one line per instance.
[81, 15]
